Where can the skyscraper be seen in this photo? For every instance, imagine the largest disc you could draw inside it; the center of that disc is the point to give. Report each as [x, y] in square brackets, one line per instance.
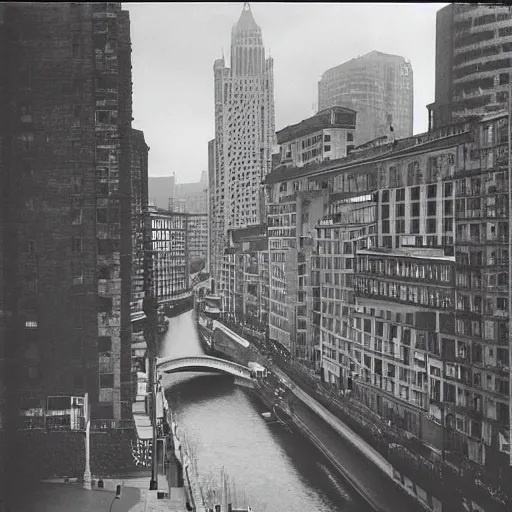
[473, 51]
[376, 85]
[244, 135]
[65, 119]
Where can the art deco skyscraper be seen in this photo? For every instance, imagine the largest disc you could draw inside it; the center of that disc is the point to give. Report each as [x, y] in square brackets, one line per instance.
[244, 135]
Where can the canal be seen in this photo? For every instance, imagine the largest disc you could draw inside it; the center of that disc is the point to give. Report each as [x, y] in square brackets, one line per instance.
[272, 468]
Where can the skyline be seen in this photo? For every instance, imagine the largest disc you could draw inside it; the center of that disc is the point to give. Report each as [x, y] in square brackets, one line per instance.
[179, 129]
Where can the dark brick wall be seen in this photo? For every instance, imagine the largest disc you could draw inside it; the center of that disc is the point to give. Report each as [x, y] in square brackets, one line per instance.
[48, 95]
[44, 455]
[125, 129]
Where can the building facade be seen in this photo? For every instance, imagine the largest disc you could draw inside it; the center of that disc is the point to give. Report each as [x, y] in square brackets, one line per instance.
[197, 237]
[406, 280]
[473, 51]
[171, 262]
[68, 214]
[244, 136]
[379, 87]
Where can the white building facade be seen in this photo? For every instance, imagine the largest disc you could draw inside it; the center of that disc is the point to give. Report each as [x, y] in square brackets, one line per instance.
[244, 137]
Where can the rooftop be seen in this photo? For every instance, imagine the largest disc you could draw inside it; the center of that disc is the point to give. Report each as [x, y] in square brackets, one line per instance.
[246, 20]
[446, 136]
[323, 119]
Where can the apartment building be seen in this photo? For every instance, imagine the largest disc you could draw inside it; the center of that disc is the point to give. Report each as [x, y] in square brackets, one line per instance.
[379, 87]
[473, 52]
[349, 224]
[66, 125]
[244, 138]
[417, 325]
[294, 204]
[197, 237]
[169, 245]
[246, 260]
[328, 135]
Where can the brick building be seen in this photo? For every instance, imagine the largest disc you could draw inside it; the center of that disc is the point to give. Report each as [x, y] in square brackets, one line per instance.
[66, 124]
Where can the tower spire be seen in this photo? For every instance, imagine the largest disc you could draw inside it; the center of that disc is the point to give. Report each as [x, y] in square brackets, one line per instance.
[247, 6]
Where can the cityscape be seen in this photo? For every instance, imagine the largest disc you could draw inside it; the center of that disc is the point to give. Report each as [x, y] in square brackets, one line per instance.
[319, 322]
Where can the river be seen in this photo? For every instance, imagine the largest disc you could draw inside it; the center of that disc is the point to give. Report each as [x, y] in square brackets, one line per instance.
[274, 470]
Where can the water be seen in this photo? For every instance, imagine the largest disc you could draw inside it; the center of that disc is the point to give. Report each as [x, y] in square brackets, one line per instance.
[275, 469]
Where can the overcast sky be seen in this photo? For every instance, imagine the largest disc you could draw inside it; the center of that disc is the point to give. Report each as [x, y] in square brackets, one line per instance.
[175, 44]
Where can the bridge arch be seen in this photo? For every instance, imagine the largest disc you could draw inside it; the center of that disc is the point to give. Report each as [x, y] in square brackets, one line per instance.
[202, 363]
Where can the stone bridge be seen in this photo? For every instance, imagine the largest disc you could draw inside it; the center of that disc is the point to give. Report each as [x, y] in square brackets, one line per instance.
[241, 373]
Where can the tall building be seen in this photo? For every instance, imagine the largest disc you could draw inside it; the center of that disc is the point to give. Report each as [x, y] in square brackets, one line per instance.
[473, 52]
[65, 112]
[244, 135]
[379, 87]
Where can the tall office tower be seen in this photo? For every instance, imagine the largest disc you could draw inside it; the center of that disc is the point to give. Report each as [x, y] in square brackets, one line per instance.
[379, 87]
[244, 133]
[473, 55]
[65, 119]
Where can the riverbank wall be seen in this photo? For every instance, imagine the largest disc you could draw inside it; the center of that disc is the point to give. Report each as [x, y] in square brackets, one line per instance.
[41, 454]
[431, 480]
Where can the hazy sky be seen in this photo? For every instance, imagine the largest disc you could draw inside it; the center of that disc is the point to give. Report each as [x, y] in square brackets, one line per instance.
[175, 44]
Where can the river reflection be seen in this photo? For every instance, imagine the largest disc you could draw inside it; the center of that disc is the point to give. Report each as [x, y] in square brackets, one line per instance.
[276, 470]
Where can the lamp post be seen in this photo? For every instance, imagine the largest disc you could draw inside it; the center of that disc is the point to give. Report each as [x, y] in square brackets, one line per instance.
[151, 311]
[87, 470]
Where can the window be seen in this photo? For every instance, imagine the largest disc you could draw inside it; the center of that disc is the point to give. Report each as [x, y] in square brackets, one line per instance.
[415, 194]
[77, 273]
[76, 184]
[385, 226]
[415, 210]
[327, 148]
[105, 345]
[431, 225]
[77, 313]
[327, 138]
[400, 210]
[415, 226]
[106, 380]
[76, 216]
[431, 191]
[431, 208]
[400, 194]
[104, 304]
[350, 137]
[385, 211]
[448, 189]
[76, 245]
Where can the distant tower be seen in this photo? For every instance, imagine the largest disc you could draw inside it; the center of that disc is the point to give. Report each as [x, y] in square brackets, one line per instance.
[244, 134]
[377, 86]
